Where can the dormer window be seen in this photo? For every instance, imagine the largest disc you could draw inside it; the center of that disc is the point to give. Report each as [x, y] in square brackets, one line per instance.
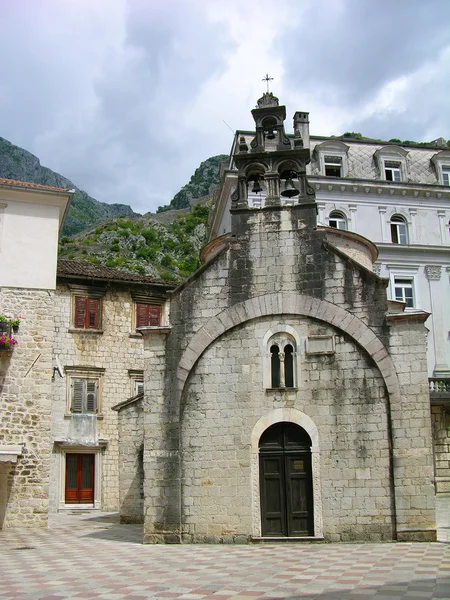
[392, 171]
[333, 166]
[332, 158]
[392, 163]
[441, 163]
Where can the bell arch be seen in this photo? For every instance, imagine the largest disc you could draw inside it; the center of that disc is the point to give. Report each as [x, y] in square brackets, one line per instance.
[288, 303]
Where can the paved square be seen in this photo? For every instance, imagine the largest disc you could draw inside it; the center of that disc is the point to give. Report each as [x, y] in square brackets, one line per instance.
[92, 556]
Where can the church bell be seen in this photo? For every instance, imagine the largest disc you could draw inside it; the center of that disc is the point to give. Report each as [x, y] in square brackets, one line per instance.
[256, 189]
[289, 190]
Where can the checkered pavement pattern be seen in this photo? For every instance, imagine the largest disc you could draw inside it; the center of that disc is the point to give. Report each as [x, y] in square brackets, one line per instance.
[97, 558]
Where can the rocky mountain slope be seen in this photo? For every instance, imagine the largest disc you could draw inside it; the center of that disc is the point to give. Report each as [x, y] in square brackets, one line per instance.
[163, 245]
[17, 163]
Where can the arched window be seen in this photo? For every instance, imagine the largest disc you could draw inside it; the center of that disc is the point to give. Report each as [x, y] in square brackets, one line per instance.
[399, 232]
[275, 365]
[337, 220]
[281, 355]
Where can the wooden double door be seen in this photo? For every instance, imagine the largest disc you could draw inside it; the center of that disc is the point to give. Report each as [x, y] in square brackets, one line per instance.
[286, 481]
[80, 478]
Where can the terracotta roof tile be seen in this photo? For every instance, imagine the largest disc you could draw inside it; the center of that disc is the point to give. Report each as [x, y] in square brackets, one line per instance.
[30, 184]
[80, 269]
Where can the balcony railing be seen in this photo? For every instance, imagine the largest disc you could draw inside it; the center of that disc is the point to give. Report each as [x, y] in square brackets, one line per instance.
[439, 390]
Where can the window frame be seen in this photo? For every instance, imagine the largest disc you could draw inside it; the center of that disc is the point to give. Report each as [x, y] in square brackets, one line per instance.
[332, 149]
[281, 341]
[156, 317]
[393, 167]
[340, 218]
[441, 163]
[404, 283]
[89, 376]
[392, 154]
[399, 272]
[396, 222]
[90, 313]
[332, 162]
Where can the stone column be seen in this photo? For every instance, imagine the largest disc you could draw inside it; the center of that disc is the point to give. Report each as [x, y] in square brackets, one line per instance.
[354, 225]
[441, 368]
[382, 212]
[162, 484]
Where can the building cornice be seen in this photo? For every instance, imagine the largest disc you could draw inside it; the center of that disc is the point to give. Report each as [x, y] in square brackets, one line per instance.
[376, 188]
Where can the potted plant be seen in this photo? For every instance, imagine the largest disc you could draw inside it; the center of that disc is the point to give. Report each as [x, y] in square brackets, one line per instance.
[6, 342]
[15, 323]
[4, 323]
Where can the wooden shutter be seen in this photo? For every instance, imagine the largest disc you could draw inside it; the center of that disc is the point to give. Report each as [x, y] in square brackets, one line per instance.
[92, 313]
[141, 315]
[80, 312]
[154, 315]
[91, 396]
[77, 395]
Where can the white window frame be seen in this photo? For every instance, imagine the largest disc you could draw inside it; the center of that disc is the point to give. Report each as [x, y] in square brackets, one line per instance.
[333, 162]
[336, 150]
[399, 224]
[89, 375]
[392, 154]
[404, 284]
[393, 167]
[441, 162]
[411, 273]
[340, 219]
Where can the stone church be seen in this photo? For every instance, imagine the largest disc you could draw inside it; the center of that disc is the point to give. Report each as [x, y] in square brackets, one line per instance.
[288, 397]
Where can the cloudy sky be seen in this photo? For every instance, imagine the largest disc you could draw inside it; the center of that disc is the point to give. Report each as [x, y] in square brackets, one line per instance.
[127, 97]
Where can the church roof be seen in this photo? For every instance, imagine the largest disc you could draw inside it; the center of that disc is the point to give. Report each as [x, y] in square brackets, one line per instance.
[84, 270]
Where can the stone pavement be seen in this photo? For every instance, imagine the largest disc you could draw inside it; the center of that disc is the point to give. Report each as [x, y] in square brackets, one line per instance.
[92, 556]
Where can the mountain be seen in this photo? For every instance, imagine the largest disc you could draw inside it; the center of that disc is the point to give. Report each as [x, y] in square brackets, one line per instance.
[202, 182]
[17, 163]
[165, 244]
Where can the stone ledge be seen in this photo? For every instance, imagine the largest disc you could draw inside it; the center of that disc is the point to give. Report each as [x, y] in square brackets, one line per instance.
[10, 453]
[417, 535]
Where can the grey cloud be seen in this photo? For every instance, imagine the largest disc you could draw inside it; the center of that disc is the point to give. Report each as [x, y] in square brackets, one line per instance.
[348, 50]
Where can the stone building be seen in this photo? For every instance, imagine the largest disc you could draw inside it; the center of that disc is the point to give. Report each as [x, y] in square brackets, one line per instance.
[28, 255]
[97, 313]
[288, 397]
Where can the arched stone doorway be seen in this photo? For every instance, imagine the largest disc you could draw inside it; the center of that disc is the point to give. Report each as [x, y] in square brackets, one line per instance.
[286, 487]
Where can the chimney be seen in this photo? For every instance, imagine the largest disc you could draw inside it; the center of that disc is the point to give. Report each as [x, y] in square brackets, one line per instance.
[301, 125]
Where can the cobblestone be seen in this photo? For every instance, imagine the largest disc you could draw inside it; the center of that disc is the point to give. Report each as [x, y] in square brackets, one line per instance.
[91, 556]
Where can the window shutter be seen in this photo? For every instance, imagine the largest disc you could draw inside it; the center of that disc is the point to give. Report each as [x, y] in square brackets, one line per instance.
[154, 315]
[139, 387]
[91, 396]
[77, 395]
[92, 310]
[80, 312]
[141, 315]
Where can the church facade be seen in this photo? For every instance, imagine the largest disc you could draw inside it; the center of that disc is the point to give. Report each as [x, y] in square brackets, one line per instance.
[288, 397]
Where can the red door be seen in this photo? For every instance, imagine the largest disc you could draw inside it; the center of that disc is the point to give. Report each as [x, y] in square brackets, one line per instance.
[80, 478]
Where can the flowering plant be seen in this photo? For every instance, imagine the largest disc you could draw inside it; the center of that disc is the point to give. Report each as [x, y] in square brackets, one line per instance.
[7, 341]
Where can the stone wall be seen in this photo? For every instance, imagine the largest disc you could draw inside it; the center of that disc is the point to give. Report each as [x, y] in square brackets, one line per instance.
[131, 467]
[116, 350]
[342, 393]
[25, 406]
[279, 268]
[441, 438]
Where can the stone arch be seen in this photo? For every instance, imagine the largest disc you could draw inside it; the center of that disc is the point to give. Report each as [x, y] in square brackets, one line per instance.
[290, 415]
[288, 303]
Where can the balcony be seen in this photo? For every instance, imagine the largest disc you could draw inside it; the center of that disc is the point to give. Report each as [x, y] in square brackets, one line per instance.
[439, 391]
